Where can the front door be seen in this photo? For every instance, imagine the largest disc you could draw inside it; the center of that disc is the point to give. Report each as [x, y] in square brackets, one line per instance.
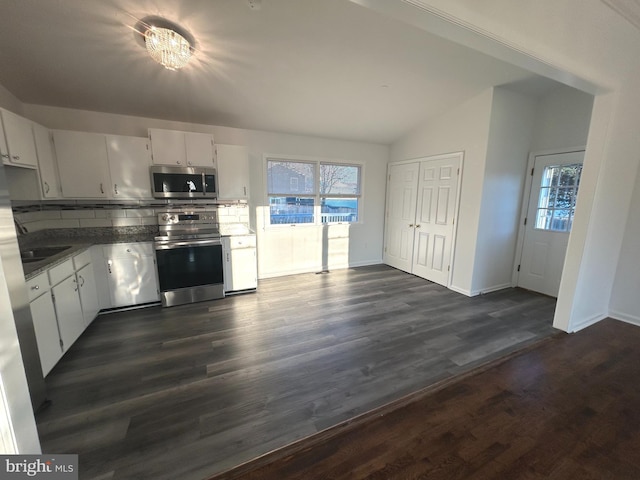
[437, 193]
[551, 207]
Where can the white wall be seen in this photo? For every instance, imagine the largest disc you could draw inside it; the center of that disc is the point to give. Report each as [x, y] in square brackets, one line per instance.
[562, 120]
[281, 250]
[465, 128]
[510, 134]
[625, 299]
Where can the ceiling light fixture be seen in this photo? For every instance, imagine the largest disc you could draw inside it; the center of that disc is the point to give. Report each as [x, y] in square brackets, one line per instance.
[167, 43]
[167, 47]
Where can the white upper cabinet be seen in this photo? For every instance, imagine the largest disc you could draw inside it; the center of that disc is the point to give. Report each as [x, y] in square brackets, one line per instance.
[199, 147]
[49, 182]
[4, 150]
[233, 172]
[83, 164]
[129, 162]
[181, 149]
[168, 147]
[19, 141]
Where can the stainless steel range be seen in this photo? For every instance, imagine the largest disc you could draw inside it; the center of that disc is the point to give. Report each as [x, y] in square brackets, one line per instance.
[189, 256]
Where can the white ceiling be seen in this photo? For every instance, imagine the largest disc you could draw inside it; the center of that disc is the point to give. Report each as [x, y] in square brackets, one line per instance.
[327, 68]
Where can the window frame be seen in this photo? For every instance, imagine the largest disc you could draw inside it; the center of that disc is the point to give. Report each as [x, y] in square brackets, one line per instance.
[317, 196]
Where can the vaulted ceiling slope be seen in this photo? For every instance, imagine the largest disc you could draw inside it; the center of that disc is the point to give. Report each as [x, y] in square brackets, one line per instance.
[327, 68]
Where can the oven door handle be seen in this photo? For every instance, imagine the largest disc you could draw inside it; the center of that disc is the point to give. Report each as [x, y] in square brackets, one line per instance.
[187, 243]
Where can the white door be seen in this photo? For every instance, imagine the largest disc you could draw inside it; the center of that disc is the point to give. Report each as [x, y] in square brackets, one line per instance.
[554, 189]
[401, 213]
[434, 225]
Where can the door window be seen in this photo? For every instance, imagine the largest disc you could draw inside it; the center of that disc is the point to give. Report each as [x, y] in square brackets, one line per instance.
[557, 201]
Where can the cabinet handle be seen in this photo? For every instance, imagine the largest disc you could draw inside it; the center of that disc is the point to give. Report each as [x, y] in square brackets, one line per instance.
[101, 188]
[16, 157]
[46, 187]
[245, 191]
[76, 282]
[5, 155]
[178, 162]
[81, 278]
[411, 225]
[35, 287]
[227, 256]
[417, 226]
[128, 250]
[109, 265]
[115, 188]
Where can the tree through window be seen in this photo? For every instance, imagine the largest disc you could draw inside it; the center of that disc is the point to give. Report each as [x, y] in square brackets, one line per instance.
[557, 201]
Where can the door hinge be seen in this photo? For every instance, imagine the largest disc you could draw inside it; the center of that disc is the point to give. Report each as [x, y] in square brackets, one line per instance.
[448, 268]
[525, 220]
[518, 267]
[532, 171]
[458, 170]
[61, 344]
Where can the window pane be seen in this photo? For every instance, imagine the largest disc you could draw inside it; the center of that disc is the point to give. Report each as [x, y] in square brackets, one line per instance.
[290, 177]
[557, 200]
[339, 210]
[288, 210]
[339, 179]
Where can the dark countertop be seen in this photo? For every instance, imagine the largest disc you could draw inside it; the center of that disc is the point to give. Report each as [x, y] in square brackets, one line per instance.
[77, 242]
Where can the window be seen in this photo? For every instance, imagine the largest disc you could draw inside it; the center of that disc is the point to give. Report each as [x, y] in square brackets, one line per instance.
[557, 202]
[339, 192]
[305, 192]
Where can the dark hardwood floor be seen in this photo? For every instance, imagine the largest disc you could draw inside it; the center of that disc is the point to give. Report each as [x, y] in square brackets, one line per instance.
[190, 391]
[565, 409]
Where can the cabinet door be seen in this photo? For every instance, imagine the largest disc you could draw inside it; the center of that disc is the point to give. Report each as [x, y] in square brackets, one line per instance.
[50, 185]
[243, 269]
[46, 328]
[233, 172]
[168, 147]
[82, 163]
[4, 150]
[129, 162]
[88, 293]
[19, 136]
[132, 280]
[199, 147]
[68, 311]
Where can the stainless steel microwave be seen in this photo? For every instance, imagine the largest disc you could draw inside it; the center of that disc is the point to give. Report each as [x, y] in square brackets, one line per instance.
[184, 182]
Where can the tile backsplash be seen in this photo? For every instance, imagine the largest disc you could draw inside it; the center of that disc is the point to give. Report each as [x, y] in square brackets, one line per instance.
[35, 217]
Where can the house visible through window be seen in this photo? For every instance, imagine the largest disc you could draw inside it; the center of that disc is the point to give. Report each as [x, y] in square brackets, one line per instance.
[557, 202]
[297, 188]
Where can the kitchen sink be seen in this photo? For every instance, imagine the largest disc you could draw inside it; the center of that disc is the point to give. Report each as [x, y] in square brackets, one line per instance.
[39, 254]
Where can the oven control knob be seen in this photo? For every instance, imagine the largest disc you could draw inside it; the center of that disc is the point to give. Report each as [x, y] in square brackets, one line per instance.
[165, 217]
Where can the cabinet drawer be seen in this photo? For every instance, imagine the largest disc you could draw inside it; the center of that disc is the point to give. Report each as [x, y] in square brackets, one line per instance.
[127, 250]
[82, 259]
[242, 241]
[60, 272]
[37, 286]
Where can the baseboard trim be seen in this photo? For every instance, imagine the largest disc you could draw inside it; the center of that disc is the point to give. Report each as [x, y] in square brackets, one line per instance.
[461, 291]
[316, 269]
[625, 317]
[495, 288]
[587, 322]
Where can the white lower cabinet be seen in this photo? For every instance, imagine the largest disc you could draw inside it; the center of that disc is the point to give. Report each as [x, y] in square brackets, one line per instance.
[131, 274]
[63, 302]
[44, 322]
[88, 293]
[68, 311]
[240, 267]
